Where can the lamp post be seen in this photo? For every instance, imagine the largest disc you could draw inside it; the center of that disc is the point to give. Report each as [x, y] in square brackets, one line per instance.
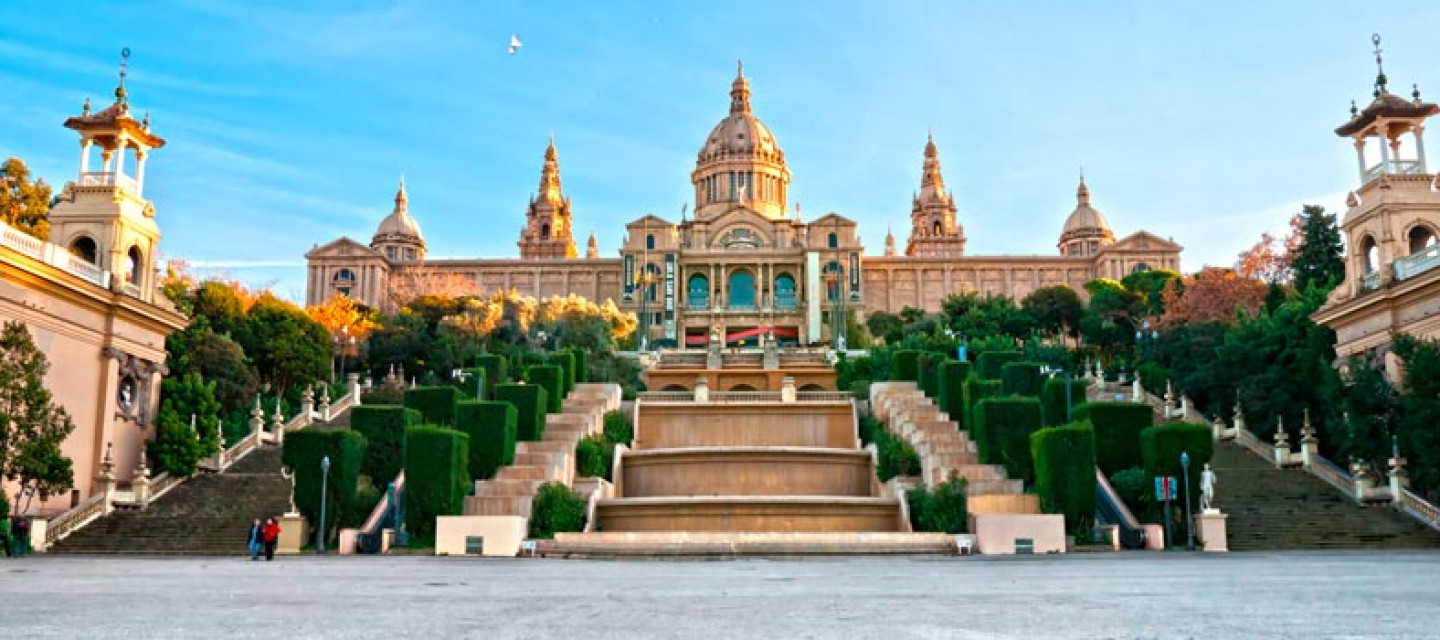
[1189, 525]
[343, 342]
[644, 281]
[324, 488]
[461, 375]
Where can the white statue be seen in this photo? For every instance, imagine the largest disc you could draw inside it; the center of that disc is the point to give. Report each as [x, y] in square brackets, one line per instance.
[1207, 489]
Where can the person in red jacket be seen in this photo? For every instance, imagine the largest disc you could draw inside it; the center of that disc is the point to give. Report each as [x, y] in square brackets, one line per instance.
[270, 534]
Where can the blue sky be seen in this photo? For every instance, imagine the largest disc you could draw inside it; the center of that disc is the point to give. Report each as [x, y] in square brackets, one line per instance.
[289, 125]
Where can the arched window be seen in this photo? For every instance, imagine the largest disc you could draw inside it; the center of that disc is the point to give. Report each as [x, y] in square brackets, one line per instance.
[84, 249]
[133, 261]
[785, 291]
[697, 292]
[343, 281]
[834, 278]
[833, 241]
[1421, 238]
[650, 241]
[742, 290]
[545, 231]
[936, 228]
[1371, 251]
[1139, 266]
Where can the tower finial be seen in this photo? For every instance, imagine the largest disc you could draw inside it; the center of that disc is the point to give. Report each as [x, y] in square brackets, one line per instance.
[740, 91]
[401, 197]
[1082, 193]
[1380, 80]
[120, 98]
[740, 68]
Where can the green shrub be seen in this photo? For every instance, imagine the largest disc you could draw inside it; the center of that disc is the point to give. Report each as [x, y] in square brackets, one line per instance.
[548, 376]
[991, 363]
[928, 374]
[1021, 379]
[1004, 426]
[953, 375]
[384, 393]
[1133, 487]
[497, 371]
[942, 510]
[556, 509]
[303, 452]
[491, 429]
[1117, 432]
[436, 476]
[384, 430]
[582, 374]
[436, 404]
[566, 361]
[1053, 401]
[530, 403]
[1065, 473]
[906, 365]
[367, 497]
[593, 455]
[618, 428]
[1153, 377]
[975, 391]
[471, 383]
[1161, 447]
[894, 457]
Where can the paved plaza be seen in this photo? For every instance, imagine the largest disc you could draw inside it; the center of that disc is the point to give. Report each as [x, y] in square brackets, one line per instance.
[1292, 595]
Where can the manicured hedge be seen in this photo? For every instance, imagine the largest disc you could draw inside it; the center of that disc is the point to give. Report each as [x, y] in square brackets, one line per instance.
[928, 374]
[436, 476]
[530, 403]
[1052, 400]
[1021, 379]
[943, 510]
[435, 404]
[1065, 472]
[496, 371]
[303, 453]
[469, 385]
[1117, 432]
[976, 390]
[991, 363]
[556, 509]
[1004, 426]
[1161, 447]
[953, 374]
[906, 365]
[547, 376]
[582, 373]
[566, 362]
[383, 427]
[491, 428]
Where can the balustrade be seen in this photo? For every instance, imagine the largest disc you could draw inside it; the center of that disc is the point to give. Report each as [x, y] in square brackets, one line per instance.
[1418, 263]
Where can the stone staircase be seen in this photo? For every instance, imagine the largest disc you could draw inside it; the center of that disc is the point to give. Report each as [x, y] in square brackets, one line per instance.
[209, 514]
[944, 450]
[552, 459]
[1282, 509]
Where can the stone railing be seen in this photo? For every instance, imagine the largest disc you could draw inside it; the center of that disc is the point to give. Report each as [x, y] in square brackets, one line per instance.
[1244, 438]
[163, 484]
[736, 397]
[57, 528]
[1332, 474]
[21, 241]
[1417, 263]
[1418, 508]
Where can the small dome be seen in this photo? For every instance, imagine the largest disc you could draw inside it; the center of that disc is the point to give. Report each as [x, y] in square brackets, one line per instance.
[741, 133]
[399, 226]
[1085, 223]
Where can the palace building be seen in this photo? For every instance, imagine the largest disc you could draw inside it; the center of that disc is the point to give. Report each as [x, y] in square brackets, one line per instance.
[745, 262]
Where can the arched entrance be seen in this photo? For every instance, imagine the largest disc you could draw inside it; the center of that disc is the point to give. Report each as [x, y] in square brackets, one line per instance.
[742, 290]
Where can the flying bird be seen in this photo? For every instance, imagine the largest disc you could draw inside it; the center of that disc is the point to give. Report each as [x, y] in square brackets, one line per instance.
[514, 43]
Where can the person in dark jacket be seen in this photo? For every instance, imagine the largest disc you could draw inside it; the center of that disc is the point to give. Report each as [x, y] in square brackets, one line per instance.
[5, 536]
[256, 539]
[20, 535]
[270, 535]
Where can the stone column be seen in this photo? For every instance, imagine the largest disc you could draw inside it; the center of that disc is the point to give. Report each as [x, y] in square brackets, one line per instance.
[220, 449]
[1282, 443]
[1169, 400]
[352, 382]
[1184, 406]
[257, 422]
[277, 422]
[1137, 394]
[1364, 482]
[325, 403]
[307, 406]
[1309, 444]
[141, 482]
[106, 480]
[1217, 428]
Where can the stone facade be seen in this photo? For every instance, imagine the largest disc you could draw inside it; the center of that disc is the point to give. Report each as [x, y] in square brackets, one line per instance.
[745, 262]
[90, 301]
[1392, 283]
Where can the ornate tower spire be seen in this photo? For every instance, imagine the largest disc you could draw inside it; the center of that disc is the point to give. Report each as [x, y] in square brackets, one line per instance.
[121, 98]
[1082, 193]
[550, 174]
[934, 232]
[889, 242]
[547, 232]
[592, 248]
[402, 199]
[930, 176]
[740, 91]
[1380, 79]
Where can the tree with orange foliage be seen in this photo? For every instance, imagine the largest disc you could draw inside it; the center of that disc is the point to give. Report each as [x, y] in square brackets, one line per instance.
[347, 322]
[1268, 260]
[1212, 295]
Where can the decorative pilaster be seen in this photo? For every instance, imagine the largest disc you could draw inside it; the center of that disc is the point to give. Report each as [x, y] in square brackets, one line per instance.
[787, 389]
[702, 389]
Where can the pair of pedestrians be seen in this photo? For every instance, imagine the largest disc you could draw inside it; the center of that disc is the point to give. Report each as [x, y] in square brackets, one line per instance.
[15, 535]
[263, 538]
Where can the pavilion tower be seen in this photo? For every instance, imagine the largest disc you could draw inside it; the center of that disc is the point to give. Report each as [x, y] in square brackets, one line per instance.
[934, 233]
[102, 217]
[547, 232]
[740, 164]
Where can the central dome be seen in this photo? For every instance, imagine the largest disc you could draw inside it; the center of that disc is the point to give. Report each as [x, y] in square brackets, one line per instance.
[740, 134]
[740, 163]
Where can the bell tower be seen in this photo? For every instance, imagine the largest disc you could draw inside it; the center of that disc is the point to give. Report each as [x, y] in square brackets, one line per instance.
[934, 233]
[102, 216]
[547, 232]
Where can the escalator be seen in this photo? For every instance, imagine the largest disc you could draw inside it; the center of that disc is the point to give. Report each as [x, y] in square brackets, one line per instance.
[1110, 509]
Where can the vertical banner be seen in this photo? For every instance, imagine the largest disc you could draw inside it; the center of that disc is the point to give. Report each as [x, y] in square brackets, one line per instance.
[629, 276]
[854, 276]
[669, 296]
[813, 296]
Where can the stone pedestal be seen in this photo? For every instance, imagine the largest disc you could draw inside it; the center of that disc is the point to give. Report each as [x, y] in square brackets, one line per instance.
[294, 533]
[1210, 526]
[787, 389]
[352, 382]
[702, 389]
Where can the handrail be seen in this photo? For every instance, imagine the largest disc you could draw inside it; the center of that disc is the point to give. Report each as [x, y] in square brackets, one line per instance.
[745, 396]
[67, 523]
[1244, 438]
[386, 511]
[1418, 508]
[1332, 474]
[1109, 504]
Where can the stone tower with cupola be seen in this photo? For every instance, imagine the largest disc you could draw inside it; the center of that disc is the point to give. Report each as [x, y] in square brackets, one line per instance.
[548, 223]
[934, 232]
[102, 217]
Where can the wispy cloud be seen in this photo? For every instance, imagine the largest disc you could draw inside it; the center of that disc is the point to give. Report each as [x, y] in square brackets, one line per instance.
[90, 66]
[391, 30]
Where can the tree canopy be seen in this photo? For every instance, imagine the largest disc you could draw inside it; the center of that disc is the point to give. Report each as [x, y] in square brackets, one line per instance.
[24, 203]
[32, 425]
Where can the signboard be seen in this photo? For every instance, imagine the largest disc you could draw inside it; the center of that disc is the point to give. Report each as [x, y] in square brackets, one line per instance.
[629, 277]
[854, 276]
[1165, 489]
[669, 296]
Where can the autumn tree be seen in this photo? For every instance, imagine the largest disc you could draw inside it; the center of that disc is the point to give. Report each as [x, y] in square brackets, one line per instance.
[348, 323]
[24, 204]
[1212, 295]
[1267, 260]
[1318, 257]
[287, 347]
[32, 425]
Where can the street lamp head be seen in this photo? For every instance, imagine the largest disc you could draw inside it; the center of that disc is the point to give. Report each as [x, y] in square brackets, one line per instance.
[1184, 459]
[325, 464]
